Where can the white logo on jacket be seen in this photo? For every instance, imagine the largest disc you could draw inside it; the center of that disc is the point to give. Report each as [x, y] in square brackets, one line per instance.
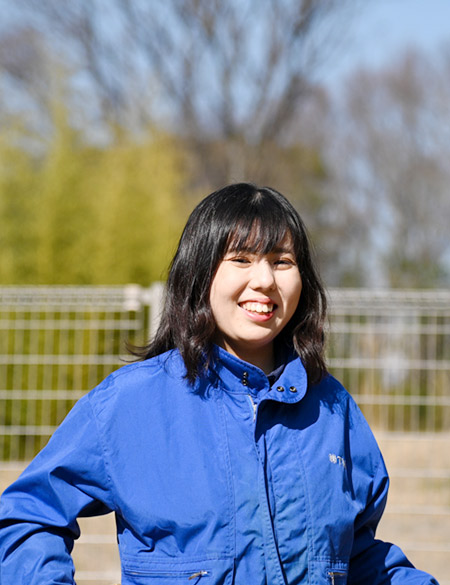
[337, 459]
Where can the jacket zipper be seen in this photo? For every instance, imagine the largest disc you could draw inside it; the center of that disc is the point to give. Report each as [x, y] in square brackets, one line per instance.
[254, 406]
[333, 574]
[174, 574]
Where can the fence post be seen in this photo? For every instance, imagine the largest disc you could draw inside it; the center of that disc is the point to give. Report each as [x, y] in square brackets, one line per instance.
[153, 298]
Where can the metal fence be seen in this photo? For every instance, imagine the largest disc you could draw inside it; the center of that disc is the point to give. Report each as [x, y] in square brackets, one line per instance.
[391, 349]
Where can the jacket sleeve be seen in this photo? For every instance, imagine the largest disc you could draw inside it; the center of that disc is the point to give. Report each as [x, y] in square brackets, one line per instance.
[374, 562]
[38, 512]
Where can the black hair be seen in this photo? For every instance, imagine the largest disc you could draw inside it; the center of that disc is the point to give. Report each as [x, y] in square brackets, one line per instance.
[236, 217]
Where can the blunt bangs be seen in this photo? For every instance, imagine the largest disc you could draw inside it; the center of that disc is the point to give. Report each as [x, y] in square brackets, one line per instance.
[257, 237]
[258, 222]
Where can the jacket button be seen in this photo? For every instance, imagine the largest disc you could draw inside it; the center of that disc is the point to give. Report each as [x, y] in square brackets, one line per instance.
[280, 388]
[293, 389]
[244, 380]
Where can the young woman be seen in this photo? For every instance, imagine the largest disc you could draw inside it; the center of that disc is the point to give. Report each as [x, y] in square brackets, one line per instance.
[228, 454]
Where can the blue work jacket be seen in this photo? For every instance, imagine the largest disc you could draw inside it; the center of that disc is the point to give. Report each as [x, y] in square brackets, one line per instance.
[228, 482]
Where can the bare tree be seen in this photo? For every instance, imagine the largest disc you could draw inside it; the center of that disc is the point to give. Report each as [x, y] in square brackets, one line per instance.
[232, 72]
[390, 160]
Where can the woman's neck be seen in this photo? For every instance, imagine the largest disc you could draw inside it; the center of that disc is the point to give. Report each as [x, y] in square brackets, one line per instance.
[262, 357]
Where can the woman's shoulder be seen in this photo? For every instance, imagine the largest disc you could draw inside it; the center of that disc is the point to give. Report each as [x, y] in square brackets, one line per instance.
[331, 389]
[166, 369]
[337, 399]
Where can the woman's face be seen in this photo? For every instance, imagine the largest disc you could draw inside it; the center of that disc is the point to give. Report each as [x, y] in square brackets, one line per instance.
[253, 296]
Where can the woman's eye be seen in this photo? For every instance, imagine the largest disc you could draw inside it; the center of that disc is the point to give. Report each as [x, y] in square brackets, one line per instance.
[240, 260]
[285, 262]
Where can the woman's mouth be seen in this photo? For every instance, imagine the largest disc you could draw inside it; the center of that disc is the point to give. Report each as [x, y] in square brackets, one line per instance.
[257, 307]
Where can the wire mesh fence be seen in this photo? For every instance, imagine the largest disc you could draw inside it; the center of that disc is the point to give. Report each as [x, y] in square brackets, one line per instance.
[390, 349]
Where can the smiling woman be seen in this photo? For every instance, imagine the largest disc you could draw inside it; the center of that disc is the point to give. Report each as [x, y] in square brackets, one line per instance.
[243, 244]
[228, 454]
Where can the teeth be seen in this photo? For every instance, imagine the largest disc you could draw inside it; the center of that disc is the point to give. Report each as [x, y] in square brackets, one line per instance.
[258, 307]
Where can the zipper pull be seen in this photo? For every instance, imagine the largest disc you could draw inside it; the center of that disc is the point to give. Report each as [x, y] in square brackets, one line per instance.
[333, 574]
[198, 575]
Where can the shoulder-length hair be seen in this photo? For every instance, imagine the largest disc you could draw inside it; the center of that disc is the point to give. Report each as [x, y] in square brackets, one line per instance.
[239, 216]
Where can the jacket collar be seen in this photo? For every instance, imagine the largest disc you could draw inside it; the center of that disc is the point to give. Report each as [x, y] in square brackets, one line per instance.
[237, 376]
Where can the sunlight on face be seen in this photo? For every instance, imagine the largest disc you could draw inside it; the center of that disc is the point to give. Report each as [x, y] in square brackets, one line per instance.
[253, 296]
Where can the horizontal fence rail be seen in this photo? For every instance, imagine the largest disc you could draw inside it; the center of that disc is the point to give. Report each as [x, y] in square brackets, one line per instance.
[390, 348]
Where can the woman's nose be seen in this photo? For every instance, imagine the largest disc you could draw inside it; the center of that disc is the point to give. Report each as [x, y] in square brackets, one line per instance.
[262, 275]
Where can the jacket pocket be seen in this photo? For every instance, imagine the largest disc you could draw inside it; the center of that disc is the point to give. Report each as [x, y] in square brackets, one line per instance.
[136, 571]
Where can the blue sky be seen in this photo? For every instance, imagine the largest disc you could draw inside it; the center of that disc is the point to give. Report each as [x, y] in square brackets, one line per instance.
[385, 28]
